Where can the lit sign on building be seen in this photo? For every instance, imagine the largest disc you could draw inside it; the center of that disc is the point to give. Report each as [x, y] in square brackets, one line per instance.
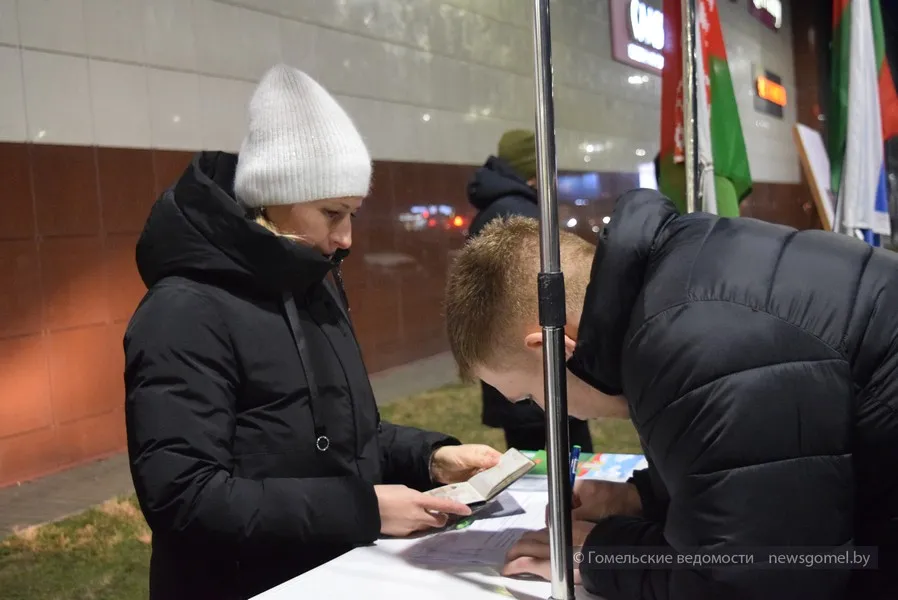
[637, 34]
[770, 12]
[421, 217]
[770, 95]
[771, 91]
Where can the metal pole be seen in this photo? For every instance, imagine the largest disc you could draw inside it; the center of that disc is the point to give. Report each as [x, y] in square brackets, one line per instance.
[837, 217]
[690, 106]
[552, 316]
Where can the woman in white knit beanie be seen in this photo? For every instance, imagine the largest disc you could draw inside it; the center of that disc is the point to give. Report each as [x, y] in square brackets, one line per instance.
[303, 167]
[256, 446]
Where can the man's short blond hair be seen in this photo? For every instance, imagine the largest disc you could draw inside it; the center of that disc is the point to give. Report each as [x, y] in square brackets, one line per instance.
[491, 293]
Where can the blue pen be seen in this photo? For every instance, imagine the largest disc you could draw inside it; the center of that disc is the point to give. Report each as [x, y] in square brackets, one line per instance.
[575, 462]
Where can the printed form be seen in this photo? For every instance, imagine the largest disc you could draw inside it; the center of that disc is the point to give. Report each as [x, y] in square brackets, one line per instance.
[486, 540]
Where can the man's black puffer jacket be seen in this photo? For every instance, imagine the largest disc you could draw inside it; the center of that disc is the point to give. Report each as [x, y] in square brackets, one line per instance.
[761, 369]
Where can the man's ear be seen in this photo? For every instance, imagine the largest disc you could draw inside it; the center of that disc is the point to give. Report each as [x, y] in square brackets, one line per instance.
[534, 340]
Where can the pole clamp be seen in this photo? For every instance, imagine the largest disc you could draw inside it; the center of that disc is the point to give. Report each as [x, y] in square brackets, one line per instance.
[552, 309]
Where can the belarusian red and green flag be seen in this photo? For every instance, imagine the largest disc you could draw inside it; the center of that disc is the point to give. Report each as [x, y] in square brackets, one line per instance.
[721, 147]
[863, 117]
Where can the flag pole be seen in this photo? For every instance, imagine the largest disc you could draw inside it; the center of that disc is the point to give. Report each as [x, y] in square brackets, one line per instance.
[690, 106]
[552, 315]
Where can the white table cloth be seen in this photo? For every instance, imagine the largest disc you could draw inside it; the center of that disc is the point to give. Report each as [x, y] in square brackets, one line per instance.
[387, 569]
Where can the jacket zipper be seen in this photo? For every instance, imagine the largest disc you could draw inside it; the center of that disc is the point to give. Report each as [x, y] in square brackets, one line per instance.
[338, 280]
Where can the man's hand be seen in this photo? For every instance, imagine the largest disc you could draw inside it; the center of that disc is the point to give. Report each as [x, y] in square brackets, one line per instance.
[453, 464]
[404, 510]
[599, 499]
[595, 499]
[530, 554]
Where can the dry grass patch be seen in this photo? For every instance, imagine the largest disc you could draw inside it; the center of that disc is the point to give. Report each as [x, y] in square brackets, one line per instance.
[121, 508]
[97, 555]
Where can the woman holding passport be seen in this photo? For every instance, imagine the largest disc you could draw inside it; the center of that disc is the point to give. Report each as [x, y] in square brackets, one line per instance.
[256, 447]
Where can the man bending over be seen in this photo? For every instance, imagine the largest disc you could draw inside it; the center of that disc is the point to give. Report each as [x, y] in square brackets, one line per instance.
[759, 366]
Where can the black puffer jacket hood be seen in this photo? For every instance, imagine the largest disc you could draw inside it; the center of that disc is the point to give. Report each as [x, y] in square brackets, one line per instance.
[496, 180]
[199, 229]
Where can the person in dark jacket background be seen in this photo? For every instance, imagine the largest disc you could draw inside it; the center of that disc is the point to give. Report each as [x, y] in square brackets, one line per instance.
[759, 365]
[502, 187]
[255, 444]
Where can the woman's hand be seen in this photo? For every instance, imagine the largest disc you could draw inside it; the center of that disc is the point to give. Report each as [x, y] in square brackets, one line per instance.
[530, 554]
[404, 510]
[453, 464]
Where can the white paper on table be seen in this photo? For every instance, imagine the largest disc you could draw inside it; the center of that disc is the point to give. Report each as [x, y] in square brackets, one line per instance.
[531, 483]
[483, 543]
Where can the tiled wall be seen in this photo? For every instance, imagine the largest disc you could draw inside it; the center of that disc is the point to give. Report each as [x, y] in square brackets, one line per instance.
[429, 80]
[102, 103]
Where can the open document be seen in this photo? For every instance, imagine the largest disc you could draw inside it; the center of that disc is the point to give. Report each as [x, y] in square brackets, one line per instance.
[487, 484]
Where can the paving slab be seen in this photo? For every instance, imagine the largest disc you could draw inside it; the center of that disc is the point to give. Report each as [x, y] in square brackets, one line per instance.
[62, 494]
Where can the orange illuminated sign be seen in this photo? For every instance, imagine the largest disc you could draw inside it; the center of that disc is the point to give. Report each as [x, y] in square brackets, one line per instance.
[771, 91]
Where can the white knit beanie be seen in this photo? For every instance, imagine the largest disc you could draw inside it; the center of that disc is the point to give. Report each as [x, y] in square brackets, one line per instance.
[301, 145]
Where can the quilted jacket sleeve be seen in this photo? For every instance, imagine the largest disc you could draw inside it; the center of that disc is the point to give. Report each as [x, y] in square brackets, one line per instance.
[180, 382]
[652, 495]
[748, 422]
[406, 452]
